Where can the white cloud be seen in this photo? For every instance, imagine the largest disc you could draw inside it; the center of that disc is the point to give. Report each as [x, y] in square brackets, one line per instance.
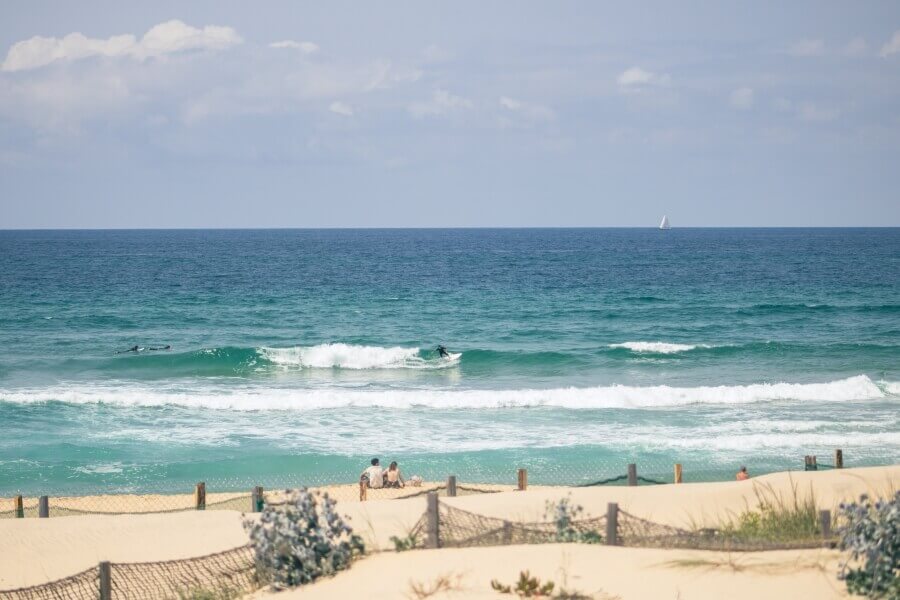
[637, 78]
[807, 48]
[811, 112]
[441, 103]
[534, 112]
[165, 38]
[856, 47]
[304, 47]
[893, 46]
[341, 108]
[742, 98]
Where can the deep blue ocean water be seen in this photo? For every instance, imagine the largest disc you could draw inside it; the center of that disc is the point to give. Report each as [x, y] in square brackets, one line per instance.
[298, 354]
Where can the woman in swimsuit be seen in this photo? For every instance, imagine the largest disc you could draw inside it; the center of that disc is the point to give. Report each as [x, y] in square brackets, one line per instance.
[392, 477]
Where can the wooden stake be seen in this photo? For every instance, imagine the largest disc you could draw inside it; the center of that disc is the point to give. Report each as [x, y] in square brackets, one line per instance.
[812, 463]
[257, 500]
[632, 474]
[612, 524]
[677, 472]
[838, 459]
[432, 522]
[43, 507]
[825, 520]
[507, 533]
[523, 480]
[200, 496]
[18, 507]
[105, 580]
[451, 486]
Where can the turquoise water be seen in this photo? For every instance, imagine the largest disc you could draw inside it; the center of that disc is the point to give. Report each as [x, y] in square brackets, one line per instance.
[297, 355]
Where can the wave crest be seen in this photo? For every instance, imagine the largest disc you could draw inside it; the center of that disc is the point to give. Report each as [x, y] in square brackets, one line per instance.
[658, 347]
[349, 356]
[855, 388]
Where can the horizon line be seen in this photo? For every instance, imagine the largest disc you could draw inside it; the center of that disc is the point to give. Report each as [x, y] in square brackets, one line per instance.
[437, 228]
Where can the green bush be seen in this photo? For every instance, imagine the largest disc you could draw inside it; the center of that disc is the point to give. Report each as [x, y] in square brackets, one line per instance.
[871, 533]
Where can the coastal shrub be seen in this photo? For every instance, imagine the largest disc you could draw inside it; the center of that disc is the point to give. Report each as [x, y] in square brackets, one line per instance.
[407, 542]
[563, 514]
[301, 540]
[218, 593]
[777, 518]
[871, 533]
[526, 587]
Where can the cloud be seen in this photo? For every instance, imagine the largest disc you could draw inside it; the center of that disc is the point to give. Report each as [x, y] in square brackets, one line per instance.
[742, 98]
[811, 112]
[856, 47]
[637, 78]
[441, 103]
[533, 112]
[165, 38]
[341, 108]
[893, 46]
[807, 48]
[304, 47]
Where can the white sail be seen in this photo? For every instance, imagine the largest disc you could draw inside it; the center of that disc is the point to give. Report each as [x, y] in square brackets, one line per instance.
[664, 224]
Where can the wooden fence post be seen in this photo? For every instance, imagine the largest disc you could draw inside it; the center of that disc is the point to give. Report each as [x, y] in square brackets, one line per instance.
[812, 462]
[43, 507]
[451, 486]
[523, 480]
[105, 581]
[257, 500]
[838, 459]
[632, 474]
[200, 496]
[612, 524]
[677, 472]
[18, 507]
[825, 520]
[432, 522]
[507, 533]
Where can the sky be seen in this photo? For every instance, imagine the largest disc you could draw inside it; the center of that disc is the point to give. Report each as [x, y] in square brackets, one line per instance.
[450, 114]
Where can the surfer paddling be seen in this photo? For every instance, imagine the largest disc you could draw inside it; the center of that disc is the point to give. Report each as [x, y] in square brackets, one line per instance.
[137, 349]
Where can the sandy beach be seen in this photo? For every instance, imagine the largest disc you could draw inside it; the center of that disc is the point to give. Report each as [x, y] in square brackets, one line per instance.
[49, 549]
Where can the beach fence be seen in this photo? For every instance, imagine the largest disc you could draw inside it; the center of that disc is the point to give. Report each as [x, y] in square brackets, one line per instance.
[229, 574]
[345, 487]
[446, 526]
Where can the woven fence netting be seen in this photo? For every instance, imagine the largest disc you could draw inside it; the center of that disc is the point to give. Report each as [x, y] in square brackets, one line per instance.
[461, 528]
[229, 574]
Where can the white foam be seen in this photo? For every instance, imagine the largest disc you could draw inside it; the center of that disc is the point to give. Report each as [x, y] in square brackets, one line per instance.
[347, 356]
[257, 397]
[891, 387]
[658, 347]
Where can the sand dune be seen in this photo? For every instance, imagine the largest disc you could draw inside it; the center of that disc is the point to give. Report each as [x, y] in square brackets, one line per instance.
[41, 550]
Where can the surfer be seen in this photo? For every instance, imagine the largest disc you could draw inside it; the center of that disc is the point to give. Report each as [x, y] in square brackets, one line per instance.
[443, 352]
[132, 349]
[166, 347]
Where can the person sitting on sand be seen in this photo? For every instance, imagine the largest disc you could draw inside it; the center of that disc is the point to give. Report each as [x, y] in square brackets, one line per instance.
[742, 475]
[373, 476]
[392, 477]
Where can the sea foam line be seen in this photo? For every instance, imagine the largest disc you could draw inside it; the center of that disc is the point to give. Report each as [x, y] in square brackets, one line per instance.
[658, 347]
[349, 356]
[859, 387]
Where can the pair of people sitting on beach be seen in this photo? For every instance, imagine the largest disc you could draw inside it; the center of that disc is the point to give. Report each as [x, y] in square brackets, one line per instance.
[375, 477]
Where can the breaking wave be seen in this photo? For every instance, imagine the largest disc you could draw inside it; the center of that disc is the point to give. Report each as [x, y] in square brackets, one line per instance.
[855, 388]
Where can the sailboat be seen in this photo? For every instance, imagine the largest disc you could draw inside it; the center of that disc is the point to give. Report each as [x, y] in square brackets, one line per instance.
[664, 224]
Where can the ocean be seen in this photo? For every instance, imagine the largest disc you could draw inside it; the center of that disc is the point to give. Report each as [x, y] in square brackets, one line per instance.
[297, 355]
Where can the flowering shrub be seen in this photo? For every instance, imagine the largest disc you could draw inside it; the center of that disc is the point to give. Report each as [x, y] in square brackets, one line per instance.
[872, 535]
[301, 540]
